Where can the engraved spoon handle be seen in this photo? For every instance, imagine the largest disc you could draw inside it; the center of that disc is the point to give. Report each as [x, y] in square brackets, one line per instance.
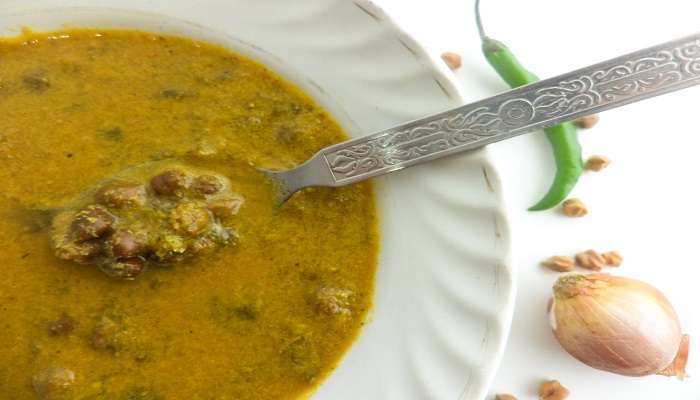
[650, 72]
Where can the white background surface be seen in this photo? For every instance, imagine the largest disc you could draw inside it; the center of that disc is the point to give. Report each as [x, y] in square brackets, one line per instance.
[646, 204]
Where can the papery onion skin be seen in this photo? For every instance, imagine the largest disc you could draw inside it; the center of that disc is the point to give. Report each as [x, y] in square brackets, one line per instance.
[617, 324]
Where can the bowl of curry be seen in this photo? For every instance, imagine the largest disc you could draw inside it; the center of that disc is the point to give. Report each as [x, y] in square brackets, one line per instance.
[143, 255]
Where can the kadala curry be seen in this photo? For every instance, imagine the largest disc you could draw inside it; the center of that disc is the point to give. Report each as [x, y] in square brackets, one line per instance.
[142, 255]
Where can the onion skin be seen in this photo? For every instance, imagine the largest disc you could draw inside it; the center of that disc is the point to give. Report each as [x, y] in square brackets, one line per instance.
[617, 324]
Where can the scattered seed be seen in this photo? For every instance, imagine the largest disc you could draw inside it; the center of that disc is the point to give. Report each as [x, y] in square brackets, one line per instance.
[597, 163]
[453, 60]
[587, 122]
[612, 258]
[559, 263]
[590, 259]
[574, 208]
[553, 390]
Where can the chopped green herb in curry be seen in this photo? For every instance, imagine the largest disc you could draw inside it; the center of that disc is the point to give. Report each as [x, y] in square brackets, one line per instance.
[264, 316]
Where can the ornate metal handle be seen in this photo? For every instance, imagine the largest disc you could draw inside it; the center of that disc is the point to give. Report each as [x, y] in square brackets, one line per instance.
[637, 76]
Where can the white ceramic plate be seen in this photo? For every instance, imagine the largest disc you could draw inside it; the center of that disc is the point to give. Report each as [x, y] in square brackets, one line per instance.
[445, 290]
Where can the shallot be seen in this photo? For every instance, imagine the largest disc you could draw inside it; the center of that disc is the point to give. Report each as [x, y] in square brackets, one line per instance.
[617, 324]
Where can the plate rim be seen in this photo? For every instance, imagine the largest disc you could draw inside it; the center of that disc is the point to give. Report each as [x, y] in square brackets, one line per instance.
[447, 80]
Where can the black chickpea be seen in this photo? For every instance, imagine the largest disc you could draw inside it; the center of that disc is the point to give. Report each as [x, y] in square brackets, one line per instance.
[124, 244]
[92, 223]
[207, 185]
[226, 207]
[189, 219]
[53, 383]
[180, 217]
[121, 194]
[169, 183]
[125, 268]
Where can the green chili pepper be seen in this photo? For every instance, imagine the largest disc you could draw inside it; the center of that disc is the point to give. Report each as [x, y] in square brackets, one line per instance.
[563, 137]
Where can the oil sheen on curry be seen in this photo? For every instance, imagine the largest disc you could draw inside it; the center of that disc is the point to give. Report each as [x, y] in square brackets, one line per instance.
[142, 255]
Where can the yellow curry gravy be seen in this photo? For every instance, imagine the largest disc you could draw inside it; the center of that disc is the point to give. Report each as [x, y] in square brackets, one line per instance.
[266, 318]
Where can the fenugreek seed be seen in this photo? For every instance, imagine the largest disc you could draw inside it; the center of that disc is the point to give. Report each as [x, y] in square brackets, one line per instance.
[553, 390]
[574, 208]
[453, 60]
[597, 163]
[612, 258]
[587, 122]
[559, 263]
[590, 259]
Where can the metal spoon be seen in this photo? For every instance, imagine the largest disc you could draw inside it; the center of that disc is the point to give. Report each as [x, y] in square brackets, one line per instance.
[637, 76]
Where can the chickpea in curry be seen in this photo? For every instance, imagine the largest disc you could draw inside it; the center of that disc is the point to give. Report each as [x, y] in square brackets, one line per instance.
[143, 257]
[129, 225]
